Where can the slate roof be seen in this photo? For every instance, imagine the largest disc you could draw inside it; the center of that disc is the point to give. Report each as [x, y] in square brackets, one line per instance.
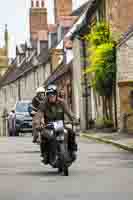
[60, 71]
[80, 10]
[15, 72]
[126, 35]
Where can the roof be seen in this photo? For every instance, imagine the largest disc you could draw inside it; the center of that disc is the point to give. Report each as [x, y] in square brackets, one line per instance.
[83, 26]
[20, 49]
[78, 24]
[126, 36]
[16, 72]
[60, 71]
[80, 10]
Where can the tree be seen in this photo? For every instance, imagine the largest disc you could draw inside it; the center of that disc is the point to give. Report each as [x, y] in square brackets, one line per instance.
[102, 65]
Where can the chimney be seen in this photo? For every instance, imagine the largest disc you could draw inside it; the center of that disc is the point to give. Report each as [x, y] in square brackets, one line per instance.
[62, 8]
[38, 20]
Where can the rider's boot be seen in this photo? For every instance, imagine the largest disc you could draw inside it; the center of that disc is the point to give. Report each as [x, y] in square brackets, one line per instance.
[35, 139]
[45, 158]
[72, 145]
[44, 152]
[73, 156]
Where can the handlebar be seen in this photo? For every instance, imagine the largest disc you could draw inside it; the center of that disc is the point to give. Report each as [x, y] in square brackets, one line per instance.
[72, 123]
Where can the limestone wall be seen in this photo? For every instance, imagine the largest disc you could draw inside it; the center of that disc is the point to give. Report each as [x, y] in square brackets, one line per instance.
[125, 80]
[9, 94]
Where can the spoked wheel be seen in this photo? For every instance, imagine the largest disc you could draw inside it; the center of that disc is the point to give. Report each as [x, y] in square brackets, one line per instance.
[64, 159]
[66, 171]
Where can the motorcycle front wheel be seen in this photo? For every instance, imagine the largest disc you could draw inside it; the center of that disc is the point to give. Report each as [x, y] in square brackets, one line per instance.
[60, 170]
[64, 166]
[66, 171]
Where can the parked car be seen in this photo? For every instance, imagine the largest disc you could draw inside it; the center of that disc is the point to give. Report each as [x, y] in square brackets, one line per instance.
[23, 118]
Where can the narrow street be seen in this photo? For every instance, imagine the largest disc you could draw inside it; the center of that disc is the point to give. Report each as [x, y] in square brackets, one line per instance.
[100, 171]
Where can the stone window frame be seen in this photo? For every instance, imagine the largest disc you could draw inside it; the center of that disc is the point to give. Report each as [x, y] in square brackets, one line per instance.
[37, 4]
[42, 4]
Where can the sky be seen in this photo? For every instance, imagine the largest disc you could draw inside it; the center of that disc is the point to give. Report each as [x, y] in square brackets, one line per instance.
[15, 13]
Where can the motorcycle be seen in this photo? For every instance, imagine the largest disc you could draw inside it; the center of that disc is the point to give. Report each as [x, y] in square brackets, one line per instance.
[59, 155]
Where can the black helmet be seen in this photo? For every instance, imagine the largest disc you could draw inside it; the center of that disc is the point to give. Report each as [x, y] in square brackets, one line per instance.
[51, 90]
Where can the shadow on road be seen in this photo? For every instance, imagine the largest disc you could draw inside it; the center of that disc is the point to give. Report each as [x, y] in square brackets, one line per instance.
[20, 152]
[39, 173]
[29, 152]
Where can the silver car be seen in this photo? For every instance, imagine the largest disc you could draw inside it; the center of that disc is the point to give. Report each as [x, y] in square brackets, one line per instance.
[23, 118]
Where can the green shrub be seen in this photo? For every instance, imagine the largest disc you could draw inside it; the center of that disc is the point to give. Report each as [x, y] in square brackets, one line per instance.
[102, 68]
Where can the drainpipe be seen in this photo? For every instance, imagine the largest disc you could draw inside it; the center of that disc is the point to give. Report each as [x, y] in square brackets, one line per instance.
[85, 82]
[19, 91]
[114, 90]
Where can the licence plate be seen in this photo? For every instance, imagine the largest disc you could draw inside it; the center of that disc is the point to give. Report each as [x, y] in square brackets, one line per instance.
[58, 125]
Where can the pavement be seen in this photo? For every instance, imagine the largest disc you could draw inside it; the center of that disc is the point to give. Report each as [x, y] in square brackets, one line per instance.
[121, 140]
[101, 172]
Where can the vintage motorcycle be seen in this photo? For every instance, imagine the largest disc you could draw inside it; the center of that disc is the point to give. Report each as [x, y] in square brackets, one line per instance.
[59, 155]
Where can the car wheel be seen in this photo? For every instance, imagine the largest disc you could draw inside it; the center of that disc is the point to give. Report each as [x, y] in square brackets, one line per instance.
[17, 133]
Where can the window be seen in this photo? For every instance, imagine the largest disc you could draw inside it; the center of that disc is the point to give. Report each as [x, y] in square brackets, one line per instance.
[37, 4]
[32, 4]
[42, 4]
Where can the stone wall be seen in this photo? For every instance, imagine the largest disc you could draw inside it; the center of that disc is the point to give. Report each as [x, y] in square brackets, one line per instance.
[27, 85]
[62, 8]
[125, 80]
[119, 14]
[79, 101]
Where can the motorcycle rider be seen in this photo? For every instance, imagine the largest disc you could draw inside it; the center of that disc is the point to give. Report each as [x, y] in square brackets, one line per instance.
[36, 101]
[62, 94]
[54, 108]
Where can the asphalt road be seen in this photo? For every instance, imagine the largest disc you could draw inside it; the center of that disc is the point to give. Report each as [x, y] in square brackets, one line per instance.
[101, 172]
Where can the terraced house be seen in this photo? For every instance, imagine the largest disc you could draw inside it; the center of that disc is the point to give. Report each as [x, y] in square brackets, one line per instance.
[35, 60]
[57, 53]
